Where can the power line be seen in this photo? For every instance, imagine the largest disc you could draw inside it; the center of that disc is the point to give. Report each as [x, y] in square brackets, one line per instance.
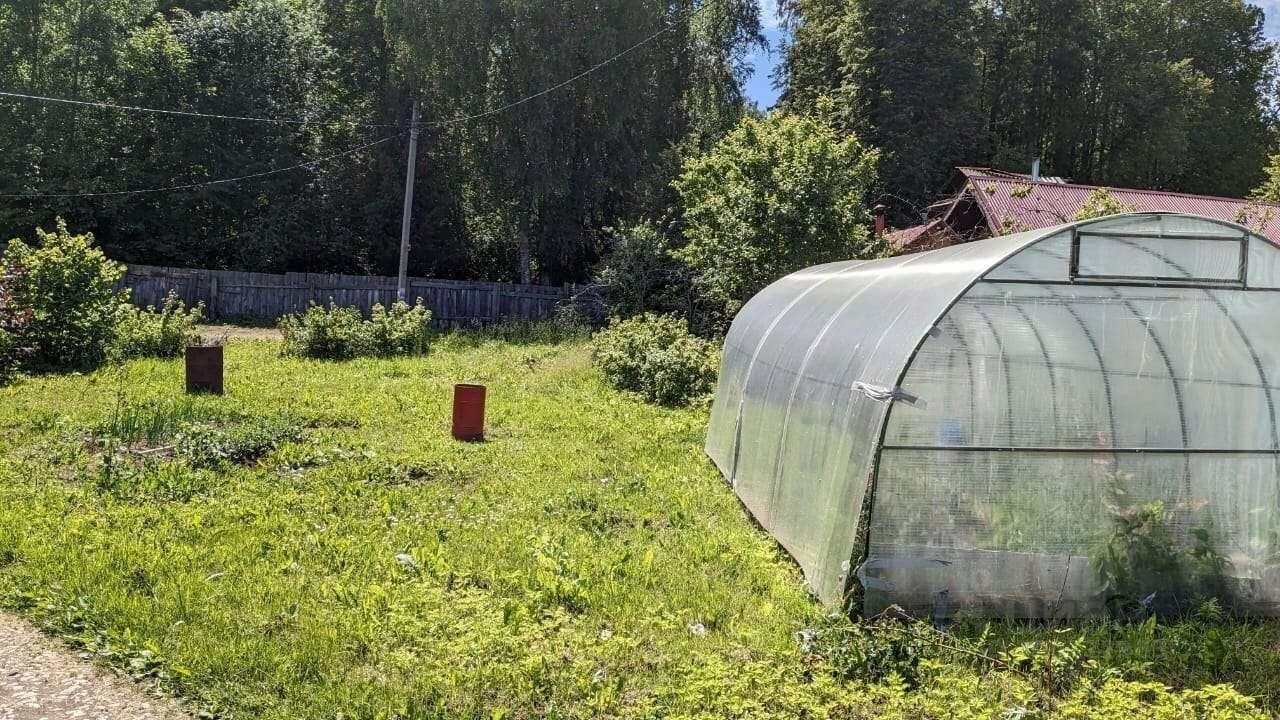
[209, 183]
[570, 81]
[186, 113]
[670, 25]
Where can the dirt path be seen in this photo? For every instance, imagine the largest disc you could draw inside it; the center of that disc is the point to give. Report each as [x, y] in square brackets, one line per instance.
[42, 680]
[237, 332]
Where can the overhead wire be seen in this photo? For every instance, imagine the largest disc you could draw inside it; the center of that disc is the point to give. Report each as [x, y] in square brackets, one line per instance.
[669, 26]
[188, 113]
[208, 183]
[565, 83]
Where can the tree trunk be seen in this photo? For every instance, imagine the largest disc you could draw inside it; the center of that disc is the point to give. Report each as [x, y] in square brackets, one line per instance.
[526, 259]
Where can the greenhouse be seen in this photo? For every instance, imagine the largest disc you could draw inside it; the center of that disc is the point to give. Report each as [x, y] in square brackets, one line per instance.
[1049, 424]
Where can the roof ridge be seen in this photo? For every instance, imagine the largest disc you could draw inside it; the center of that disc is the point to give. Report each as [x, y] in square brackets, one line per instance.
[975, 176]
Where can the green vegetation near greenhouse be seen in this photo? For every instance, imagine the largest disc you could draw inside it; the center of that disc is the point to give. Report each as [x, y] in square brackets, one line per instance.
[313, 545]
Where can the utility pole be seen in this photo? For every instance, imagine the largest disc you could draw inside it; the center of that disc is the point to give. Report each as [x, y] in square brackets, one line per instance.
[402, 283]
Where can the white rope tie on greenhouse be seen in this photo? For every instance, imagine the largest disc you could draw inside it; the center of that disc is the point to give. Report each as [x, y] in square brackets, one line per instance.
[887, 394]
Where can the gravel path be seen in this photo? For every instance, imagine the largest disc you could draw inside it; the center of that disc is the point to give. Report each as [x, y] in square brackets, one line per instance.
[41, 680]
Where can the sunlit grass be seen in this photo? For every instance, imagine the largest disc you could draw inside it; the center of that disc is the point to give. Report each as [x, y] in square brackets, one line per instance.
[376, 563]
[314, 545]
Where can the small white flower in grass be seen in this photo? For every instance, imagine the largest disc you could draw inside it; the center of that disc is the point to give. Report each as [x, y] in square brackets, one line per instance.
[698, 629]
[598, 676]
[406, 561]
[605, 634]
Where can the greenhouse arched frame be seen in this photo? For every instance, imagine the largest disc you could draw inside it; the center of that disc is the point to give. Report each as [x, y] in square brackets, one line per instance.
[1044, 424]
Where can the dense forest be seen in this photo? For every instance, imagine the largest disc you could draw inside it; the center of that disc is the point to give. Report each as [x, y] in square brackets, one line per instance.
[1167, 94]
[548, 174]
[1174, 94]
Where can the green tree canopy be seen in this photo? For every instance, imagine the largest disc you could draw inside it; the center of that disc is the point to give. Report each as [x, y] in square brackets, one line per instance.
[904, 75]
[1151, 93]
[776, 195]
[546, 174]
[1269, 189]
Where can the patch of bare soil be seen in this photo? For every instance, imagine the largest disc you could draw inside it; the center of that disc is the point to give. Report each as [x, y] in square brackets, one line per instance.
[42, 680]
[237, 332]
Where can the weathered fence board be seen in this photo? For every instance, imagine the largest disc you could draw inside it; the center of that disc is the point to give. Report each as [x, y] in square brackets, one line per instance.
[230, 295]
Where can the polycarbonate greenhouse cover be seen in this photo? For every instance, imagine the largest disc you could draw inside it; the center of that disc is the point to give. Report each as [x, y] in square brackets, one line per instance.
[1036, 425]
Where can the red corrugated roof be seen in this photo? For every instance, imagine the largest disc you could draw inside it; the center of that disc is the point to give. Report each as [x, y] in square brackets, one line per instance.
[993, 172]
[932, 234]
[903, 238]
[1013, 204]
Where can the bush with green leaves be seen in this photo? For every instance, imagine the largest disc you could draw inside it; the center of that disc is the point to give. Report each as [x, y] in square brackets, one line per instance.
[656, 357]
[9, 349]
[872, 651]
[1157, 557]
[342, 333]
[69, 287]
[13, 324]
[332, 333]
[639, 274]
[400, 329]
[776, 195]
[160, 333]
[1101, 203]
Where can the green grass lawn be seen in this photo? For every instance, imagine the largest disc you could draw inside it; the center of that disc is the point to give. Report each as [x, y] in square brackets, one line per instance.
[352, 561]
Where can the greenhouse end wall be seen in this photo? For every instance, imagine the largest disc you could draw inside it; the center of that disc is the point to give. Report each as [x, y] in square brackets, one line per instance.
[1042, 424]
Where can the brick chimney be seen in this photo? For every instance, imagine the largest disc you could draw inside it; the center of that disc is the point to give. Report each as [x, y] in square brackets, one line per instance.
[880, 211]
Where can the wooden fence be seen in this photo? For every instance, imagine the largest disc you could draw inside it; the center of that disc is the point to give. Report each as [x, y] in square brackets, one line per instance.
[229, 295]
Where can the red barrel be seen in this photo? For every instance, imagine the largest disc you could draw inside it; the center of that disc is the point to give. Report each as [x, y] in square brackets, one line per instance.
[204, 369]
[468, 412]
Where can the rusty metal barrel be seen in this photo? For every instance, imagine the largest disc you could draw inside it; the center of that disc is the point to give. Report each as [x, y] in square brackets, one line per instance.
[468, 412]
[204, 369]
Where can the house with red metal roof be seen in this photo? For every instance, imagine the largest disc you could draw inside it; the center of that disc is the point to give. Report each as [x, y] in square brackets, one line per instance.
[986, 203]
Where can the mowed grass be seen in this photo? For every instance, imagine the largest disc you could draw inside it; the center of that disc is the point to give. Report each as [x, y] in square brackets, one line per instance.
[349, 560]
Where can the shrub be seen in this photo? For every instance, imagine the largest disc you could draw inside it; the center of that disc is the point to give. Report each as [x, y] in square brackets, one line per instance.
[13, 324]
[402, 330]
[69, 287]
[638, 273]
[1100, 203]
[1142, 700]
[335, 333]
[342, 333]
[656, 357]
[1145, 566]
[778, 194]
[8, 355]
[162, 333]
[874, 651]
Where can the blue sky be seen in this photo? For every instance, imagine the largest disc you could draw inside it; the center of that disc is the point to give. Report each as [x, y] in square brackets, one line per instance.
[760, 86]
[1270, 7]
